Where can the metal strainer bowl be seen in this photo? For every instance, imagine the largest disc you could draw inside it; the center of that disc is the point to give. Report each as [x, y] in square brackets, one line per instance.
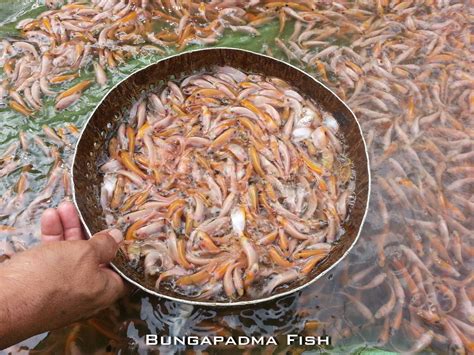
[104, 121]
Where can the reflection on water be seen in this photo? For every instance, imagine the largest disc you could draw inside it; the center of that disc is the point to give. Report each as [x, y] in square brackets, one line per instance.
[315, 311]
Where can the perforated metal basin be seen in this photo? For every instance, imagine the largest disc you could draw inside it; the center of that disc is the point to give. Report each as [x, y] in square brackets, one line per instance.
[104, 121]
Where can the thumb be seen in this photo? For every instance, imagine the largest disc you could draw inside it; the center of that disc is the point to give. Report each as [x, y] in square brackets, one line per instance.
[106, 244]
[114, 288]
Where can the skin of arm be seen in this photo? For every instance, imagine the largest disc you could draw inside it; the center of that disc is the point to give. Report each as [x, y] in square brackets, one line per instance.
[63, 280]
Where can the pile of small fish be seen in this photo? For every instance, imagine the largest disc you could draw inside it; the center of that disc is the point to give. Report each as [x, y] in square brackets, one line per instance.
[56, 45]
[405, 72]
[22, 203]
[228, 184]
[59, 43]
[405, 68]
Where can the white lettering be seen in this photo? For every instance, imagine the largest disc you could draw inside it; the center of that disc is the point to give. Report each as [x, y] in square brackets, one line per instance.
[244, 340]
[326, 340]
[291, 339]
[151, 339]
[193, 340]
[230, 341]
[271, 341]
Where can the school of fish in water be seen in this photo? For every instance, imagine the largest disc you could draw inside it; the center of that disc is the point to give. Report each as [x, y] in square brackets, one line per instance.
[405, 69]
[228, 184]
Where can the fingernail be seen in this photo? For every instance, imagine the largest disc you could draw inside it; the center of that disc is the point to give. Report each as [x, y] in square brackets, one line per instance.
[116, 234]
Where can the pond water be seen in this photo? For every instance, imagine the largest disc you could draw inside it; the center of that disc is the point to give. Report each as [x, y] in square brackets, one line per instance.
[404, 69]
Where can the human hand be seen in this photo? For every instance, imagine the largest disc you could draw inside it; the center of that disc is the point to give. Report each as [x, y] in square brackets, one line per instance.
[63, 280]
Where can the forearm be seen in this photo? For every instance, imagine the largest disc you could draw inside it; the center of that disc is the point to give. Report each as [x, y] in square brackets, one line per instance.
[20, 301]
[56, 284]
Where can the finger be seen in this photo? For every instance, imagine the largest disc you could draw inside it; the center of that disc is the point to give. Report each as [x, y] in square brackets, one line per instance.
[51, 226]
[115, 287]
[130, 289]
[70, 220]
[106, 244]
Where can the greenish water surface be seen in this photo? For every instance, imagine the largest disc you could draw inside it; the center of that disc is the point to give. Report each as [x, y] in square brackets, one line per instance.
[11, 122]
